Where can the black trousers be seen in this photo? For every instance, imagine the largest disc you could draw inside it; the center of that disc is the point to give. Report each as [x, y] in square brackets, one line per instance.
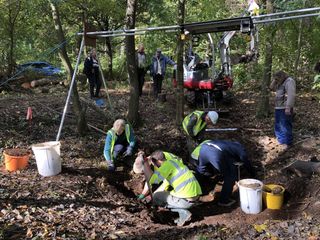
[157, 84]
[141, 74]
[94, 82]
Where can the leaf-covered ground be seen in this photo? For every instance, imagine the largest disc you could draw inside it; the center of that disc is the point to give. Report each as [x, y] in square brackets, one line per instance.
[86, 202]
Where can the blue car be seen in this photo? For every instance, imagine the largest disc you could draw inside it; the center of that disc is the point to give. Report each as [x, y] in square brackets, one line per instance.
[41, 68]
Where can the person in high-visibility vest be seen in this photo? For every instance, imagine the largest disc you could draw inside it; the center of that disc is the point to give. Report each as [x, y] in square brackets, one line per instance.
[194, 125]
[120, 139]
[196, 122]
[216, 157]
[186, 188]
[164, 186]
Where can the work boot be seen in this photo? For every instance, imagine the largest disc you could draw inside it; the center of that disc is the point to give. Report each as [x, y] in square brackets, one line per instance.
[184, 216]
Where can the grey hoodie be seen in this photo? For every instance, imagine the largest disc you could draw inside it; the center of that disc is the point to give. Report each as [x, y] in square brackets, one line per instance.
[285, 94]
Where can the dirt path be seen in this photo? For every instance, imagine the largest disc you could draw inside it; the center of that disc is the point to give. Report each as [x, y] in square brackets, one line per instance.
[86, 202]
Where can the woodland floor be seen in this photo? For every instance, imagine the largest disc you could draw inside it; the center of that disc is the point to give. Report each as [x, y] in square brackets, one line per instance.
[86, 202]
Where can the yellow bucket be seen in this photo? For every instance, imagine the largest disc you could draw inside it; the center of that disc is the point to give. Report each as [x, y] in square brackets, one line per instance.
[273, 196]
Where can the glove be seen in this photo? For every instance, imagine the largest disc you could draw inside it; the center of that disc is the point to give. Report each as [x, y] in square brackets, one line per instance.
[175, 67]
[128, 152]
[111, 167]
[141, 196]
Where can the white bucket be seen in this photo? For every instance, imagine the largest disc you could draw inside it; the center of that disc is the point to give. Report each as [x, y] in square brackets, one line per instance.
[250, 195]
[48, 158]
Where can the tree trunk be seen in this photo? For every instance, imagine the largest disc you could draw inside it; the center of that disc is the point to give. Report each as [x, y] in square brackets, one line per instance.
[84, 21]
[14, 10]
[263, 107]
[11, 47]
[180, 95]
[109, 53]
[133, 113]
[81, 120]
[299, 44]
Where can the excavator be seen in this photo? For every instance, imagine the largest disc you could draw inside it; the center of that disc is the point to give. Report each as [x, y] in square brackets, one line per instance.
[208, 81]
[204, 81]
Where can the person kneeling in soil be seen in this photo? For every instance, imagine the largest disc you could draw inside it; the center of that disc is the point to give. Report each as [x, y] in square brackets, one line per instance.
[120, 139]
[171, 170]
[145, 194]
[213, 157]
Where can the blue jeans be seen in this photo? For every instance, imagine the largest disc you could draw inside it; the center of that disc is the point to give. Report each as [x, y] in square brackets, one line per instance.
[283, 127]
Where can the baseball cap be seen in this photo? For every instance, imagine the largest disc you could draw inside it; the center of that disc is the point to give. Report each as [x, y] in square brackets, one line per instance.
[158, 49]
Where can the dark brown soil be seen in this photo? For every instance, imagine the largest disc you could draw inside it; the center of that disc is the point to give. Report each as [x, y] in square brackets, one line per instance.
[16, 152]
[87, 202]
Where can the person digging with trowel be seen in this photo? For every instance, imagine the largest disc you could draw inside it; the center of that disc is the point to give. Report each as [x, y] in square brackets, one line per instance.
[146, 195]
[170, 170]
[215, 157]
[120, 139]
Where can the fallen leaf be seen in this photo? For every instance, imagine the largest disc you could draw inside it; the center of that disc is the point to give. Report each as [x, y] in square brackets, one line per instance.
[113, 236]
[29, 233]
[260, 228]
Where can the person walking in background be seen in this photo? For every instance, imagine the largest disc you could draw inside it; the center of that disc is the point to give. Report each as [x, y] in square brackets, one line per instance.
[120, 139]
[285, 88]
[91, 69]
[158, 70]
[141, 67]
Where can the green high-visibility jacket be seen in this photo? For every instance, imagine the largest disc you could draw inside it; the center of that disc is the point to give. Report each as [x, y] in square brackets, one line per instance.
[111, 140]
[182, 180]
[196, 152]
[192, 128]
[168, 156]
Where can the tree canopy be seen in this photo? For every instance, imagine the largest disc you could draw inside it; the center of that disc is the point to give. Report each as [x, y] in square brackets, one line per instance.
[27, 30]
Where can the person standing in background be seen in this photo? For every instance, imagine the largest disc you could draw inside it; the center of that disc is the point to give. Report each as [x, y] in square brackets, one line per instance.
[91, 69]
[158, 70]
[285, 88]
[141, 67]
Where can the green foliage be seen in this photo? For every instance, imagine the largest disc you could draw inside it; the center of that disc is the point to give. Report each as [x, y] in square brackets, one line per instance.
[316, 83]
[35, 38]
[120, 67]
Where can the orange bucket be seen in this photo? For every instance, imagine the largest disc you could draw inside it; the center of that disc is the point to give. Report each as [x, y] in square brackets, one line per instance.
[16, 159]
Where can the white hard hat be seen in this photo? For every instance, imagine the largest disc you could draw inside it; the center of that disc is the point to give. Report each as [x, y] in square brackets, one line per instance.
[213, 116]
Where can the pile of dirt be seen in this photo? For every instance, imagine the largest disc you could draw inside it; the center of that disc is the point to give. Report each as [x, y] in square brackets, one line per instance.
[87, 202]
